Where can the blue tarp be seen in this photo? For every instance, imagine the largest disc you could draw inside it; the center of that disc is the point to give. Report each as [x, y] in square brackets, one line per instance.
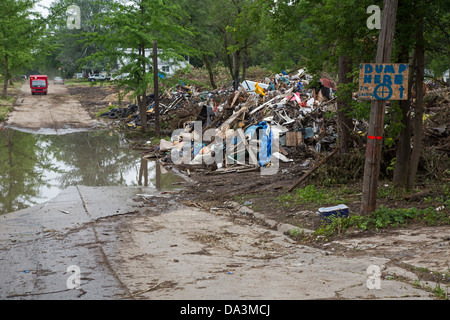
[265, 152]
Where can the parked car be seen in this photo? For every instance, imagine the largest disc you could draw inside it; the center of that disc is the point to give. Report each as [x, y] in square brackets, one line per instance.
[122, 76]
[58, 80]
[97, 77]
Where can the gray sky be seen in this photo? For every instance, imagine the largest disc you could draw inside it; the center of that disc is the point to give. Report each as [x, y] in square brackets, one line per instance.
[46, 3]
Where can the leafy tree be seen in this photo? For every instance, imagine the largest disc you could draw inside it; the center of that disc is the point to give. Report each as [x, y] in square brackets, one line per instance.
[333, 39]
[132, 28]
[19, 33]
[205, 39]
[422, 39]
[64, 49]
[242, 31]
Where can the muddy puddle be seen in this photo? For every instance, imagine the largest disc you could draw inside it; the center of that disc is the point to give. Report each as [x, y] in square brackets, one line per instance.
[35, 167]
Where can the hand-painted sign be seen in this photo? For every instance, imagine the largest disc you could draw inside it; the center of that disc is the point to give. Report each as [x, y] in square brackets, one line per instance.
[380, 81]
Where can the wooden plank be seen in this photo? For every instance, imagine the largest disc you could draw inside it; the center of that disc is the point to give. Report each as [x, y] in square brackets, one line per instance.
[294, 139]
[312, 170]
[235, 97]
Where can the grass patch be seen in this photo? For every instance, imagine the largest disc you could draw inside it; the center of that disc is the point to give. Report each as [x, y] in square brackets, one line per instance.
[7, 103]
[313, 196]
[87, 83]
[389, 192]
[5, 108]
[149, 135]
[108, 108]
[382, 218]
[442, 198]
[4, 111]
[440, 292]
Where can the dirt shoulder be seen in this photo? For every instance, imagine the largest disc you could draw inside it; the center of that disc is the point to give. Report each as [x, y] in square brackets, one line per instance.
[96, 97]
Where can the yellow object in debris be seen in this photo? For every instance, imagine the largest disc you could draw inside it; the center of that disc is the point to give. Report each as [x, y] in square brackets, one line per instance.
[259, 90]
[426, 117]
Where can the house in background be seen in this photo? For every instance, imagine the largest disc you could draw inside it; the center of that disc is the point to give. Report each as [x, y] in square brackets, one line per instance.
[167, 67]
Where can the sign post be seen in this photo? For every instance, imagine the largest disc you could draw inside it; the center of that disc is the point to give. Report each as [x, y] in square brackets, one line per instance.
[156, 89]
[384, 90]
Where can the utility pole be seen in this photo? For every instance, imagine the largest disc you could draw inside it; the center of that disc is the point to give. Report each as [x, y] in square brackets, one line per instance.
[155, 85]
[377, 110]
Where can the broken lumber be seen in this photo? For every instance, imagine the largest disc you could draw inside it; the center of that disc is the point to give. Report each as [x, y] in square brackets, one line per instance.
[268, 102]
[417, 196]
[312, 170]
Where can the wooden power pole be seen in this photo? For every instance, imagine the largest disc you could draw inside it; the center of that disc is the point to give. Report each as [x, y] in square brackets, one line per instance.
[156, 89]
[377, 110]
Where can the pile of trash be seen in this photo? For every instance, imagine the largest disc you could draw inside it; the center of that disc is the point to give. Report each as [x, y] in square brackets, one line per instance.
[223, 123]
[205, 126]
[436, 130]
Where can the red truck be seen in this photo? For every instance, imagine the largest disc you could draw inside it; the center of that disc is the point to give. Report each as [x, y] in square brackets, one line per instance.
[38, 84]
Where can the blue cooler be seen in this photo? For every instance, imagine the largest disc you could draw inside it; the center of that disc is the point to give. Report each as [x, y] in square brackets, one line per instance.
[336, 211]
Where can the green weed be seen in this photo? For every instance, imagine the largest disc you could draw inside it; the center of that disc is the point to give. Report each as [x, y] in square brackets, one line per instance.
[382, 218]
[310, 195]
[440, 292]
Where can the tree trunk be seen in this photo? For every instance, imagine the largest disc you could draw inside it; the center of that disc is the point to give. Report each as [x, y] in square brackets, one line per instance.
[418, 109]
[142, 99]
[244, 62]
[229, 62]
[403, 153]
[345, 122]
[156, 88]
[210, 71]
[237, 64]
[5, 81]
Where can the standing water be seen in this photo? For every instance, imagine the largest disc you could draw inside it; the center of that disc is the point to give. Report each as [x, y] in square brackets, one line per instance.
[34, 168]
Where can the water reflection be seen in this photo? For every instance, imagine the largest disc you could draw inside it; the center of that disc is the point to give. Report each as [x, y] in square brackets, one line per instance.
[159, 177]
[35, 168]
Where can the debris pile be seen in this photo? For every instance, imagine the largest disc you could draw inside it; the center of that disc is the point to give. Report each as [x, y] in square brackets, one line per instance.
[235, 129]
[436, 130]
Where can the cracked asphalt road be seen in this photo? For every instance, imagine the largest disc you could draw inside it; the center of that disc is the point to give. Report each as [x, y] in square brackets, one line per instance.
[138, 243]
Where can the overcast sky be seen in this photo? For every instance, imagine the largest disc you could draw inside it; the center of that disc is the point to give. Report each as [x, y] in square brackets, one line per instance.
[45, 3]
